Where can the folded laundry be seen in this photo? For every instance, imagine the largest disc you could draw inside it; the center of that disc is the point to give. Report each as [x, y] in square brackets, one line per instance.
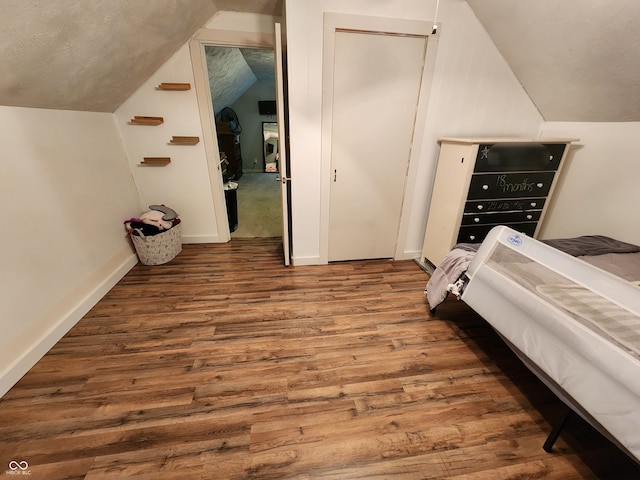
[137, 227]
[152, 222]
[154, 217]
[169, 214]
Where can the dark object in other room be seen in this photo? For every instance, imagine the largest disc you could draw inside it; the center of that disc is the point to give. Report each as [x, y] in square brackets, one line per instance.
[267, 107]
[231, 198]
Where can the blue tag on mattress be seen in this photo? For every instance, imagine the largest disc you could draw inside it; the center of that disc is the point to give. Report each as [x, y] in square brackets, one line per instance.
[515, 240]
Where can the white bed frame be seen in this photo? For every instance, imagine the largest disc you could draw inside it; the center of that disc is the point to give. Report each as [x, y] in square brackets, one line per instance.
[589, 370]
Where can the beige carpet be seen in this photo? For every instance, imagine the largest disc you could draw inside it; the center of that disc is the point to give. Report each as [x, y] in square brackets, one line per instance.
[259, 206]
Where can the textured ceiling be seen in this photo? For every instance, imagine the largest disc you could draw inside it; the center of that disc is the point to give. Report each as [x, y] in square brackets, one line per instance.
[91, 55]
[265, 7]
[232, 71]
[579, 60]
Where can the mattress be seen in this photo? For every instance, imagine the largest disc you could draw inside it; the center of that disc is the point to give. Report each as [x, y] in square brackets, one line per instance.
[575, 322]
[620, 258]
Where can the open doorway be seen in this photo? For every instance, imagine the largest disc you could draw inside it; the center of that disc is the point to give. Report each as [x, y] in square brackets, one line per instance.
[242, 82]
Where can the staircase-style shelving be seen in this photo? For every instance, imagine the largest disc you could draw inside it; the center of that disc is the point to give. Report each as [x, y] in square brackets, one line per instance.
[175, 140]
[142, 120]
[174, 86]
[156, 161]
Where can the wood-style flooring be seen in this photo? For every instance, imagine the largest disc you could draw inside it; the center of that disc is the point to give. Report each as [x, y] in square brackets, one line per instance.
[223, 364]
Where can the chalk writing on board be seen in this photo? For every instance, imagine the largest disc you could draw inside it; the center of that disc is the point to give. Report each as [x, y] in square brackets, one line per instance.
[500, 206]
[511, 187]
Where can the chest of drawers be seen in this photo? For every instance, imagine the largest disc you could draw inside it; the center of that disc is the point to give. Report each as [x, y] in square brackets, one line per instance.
[481, 183]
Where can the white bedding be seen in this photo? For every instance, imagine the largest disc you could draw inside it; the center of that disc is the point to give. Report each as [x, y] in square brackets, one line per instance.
[579, 326]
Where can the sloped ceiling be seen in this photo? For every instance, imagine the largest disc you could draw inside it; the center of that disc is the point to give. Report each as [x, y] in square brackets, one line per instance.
[91, 55]
[579, 60]
[232, 71]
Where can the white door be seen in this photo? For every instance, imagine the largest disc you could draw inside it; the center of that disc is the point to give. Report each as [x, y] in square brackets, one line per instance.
[376, 86]
[283, 144]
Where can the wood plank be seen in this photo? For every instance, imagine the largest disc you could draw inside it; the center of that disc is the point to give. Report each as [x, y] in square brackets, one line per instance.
[174, 86]
[225, 364]
[146, 120]
[156, 161]
[181, 140]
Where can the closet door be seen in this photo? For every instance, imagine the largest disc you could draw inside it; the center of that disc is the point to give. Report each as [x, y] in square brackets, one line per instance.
[376, 85]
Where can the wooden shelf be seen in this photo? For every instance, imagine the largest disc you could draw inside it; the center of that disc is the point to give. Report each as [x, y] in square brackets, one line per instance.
[142, 120]
[184, 140]
[174, 86]
[156, 161]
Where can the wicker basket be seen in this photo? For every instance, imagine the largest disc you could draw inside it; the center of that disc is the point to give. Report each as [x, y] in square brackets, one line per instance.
[160, 248]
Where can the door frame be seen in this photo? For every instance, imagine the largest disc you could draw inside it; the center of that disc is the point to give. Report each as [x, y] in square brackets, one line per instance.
[376, 25]
[208, 37]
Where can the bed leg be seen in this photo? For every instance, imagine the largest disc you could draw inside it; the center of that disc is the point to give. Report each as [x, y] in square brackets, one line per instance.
[555, 433]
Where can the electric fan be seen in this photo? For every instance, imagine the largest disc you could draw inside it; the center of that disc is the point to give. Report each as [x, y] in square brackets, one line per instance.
[228, 115]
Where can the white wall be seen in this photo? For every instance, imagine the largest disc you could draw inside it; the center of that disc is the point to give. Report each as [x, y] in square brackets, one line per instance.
[598, 193]
[184, 184]
[191, 183]
[473, 93]
[65, 189]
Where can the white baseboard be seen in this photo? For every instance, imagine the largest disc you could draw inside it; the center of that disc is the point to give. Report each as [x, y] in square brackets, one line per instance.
[411, 254]
[67, 319]
[201, 239]
[301, 261]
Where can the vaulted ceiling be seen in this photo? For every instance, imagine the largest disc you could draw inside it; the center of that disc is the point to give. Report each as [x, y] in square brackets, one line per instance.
[577, 59]
[91, 55]
[232, 71]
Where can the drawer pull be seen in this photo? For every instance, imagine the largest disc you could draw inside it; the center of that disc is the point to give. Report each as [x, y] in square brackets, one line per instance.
[485, 187]
[476, 219]
[533, 204]
[472, 237]
[529, 217]
[480, 207]
[540, 185]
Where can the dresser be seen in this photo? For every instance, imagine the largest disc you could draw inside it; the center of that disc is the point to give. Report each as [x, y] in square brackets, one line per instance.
[481, 183]
[230, 145]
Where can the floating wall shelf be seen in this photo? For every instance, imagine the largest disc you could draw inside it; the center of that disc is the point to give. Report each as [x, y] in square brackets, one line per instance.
[174, 86]
[184, 140]
[156, 161]
[142, 120]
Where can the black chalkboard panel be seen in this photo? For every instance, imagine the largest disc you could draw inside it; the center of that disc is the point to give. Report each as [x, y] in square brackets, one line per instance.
[501, 218]
[510, 185]
[504, 205]
[477, 233]
[509, 157]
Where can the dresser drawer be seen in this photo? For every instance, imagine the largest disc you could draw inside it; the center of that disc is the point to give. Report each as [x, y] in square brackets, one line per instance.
[501, 218]
[510, 185]
[511, 157]
[476, 233]
[504, 205]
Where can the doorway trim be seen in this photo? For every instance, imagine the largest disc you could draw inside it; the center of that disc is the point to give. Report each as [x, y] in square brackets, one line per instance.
[377, 25]
[221, 38]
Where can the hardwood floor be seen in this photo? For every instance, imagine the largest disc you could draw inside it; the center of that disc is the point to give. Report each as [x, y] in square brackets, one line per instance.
[225, 365]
